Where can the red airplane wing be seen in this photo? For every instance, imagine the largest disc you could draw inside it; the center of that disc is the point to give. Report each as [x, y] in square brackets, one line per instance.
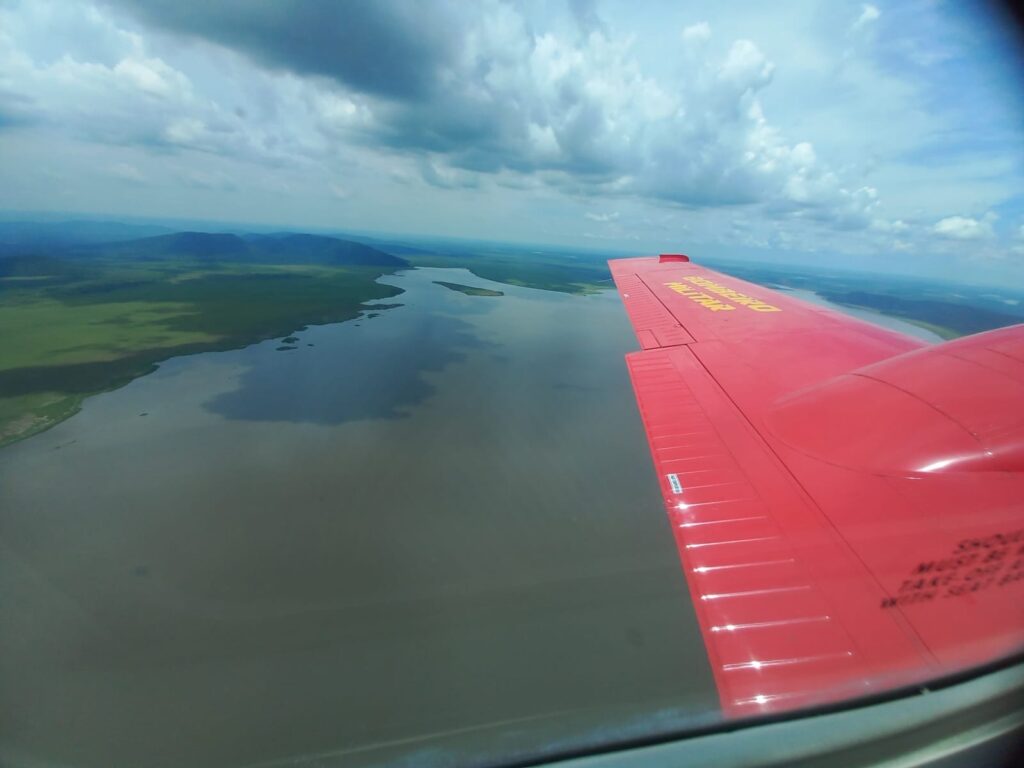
[848, 502]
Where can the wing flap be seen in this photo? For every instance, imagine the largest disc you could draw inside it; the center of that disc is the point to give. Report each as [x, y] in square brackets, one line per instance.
[776, 626]
[654, 324]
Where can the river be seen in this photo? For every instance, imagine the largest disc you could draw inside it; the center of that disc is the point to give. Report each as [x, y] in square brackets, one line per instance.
[430, 535]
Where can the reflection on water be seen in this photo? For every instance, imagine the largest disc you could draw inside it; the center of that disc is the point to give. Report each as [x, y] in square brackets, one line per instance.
[325, 380]
[434, 533]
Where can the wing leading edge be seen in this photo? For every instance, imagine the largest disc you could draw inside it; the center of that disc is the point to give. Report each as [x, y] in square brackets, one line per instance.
[848, 503]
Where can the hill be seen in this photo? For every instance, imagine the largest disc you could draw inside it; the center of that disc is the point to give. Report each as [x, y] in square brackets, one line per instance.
[250, 249]
[38, 236]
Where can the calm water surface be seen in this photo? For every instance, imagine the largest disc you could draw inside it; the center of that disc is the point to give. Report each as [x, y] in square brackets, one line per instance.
[427, 536]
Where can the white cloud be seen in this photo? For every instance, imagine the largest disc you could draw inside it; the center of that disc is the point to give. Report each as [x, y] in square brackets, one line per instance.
[746, 67]
[696, 34]
[101, 83]
[895, 227]
[965, 227]
[576, 114]
[185, 131]
[869, 14]
[602, 217]
[153, 76]
[336, 112]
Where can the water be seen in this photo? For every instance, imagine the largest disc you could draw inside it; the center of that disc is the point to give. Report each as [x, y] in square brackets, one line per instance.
[433, 535]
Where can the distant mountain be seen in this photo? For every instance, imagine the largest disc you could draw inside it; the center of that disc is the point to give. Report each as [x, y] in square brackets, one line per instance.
[193, 245]
[323, 249]
[35, 236]
[411, 250]
[250, 249]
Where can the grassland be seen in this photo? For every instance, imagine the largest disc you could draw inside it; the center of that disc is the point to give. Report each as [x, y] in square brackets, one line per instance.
[84, 328]
[469, 290]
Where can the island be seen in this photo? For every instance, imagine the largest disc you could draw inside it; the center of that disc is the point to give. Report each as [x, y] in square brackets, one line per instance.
[469, 290]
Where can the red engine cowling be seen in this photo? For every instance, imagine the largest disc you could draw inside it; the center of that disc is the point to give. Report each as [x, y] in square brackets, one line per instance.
[952, 407]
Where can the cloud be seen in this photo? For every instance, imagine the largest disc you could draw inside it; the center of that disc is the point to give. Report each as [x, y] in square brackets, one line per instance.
[385, 47]
[745, 67]
[868, 15]
[550, 112]
[15, 108]
[152, 76]
[438, 175]
[584, 13]
[127, 172]
[895, 227]
[101, 83]
[208, 179]
[965, 228]
[475, 89]
[338, 191]
[110, 90]
[696, 34]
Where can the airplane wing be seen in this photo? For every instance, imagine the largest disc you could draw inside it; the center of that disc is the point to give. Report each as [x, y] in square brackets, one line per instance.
[848, 502]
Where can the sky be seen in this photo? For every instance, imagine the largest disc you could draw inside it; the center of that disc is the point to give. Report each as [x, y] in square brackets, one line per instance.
[888, 135]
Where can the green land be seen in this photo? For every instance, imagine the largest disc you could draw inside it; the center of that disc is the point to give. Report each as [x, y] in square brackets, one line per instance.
[90, 325]
[79, 315]
[468, 289]
[549, 272]
[943, 318]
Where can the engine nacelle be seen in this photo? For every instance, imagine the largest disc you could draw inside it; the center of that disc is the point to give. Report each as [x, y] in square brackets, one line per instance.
[952, 407]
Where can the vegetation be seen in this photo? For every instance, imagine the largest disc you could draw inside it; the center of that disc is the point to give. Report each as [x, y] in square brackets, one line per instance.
[85, 326]
[285, 248]
[566, 273]
[468, 289]
[944, 318]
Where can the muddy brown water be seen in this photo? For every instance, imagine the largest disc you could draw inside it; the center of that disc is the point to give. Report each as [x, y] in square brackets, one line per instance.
[428, 537]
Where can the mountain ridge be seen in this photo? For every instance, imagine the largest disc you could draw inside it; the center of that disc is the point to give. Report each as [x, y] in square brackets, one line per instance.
[224, 248]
